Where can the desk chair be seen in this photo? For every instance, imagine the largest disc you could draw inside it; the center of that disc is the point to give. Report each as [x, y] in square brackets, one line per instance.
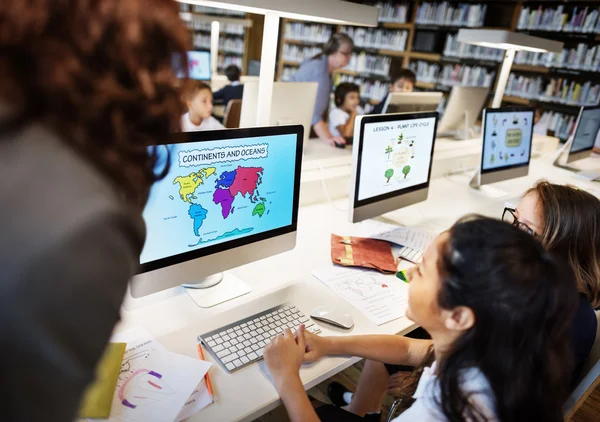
[589, 381]
[232, 114]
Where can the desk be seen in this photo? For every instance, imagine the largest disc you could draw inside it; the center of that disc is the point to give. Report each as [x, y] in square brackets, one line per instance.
[247, 394]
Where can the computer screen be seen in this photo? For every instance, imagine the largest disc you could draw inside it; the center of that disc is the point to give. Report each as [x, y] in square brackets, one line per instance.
[395, 156]
[199, 65]
[587, 129]
[222, 191]
[411, 102]
[507, 136]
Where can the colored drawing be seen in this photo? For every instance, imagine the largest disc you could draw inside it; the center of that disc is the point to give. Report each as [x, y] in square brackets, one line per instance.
[143, 387]
[400, 138]
[224, 198]
[226, 179]
[171, 197]
[189, 183]
[388, 174]
[513, 138]
[245, 181]
[259, 210]
[235, 232]
[389, 150]
[198, 214]
[405, 171]
[360, 287]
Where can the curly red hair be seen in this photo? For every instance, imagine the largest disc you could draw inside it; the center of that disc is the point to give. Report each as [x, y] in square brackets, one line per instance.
[102, 74]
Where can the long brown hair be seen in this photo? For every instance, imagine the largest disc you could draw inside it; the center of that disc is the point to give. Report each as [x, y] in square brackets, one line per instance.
[571, 228]
[100, 74]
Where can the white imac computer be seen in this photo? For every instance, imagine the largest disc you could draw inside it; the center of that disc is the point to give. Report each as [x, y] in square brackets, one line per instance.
[292, 103]
[411, 102]
[199, 65]
[581, 144]
[229, 197]
[506, 151]
[462, 110]
[391, 163]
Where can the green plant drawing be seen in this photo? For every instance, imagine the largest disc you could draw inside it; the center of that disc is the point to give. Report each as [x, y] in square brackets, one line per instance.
[405, 171]
[389, 150]
[388, 174]
[400, 138]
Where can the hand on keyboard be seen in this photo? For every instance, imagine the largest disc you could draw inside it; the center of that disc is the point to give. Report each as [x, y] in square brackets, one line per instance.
[284, 355]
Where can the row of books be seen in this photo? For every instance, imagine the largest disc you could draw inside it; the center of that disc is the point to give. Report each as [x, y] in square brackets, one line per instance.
[555, 90]
[582, 57]
[464, 75]
[392, 12]
[368, 63]
[287, 73]
[453, 48]
[224, 28]
[377, 38]
[316, 33]
[426, 71]
[369, 90]
[580, 19]
[561, 124]
[184, 7]
[299, 53]
[451, 14]
[231, 45]
[225, 61]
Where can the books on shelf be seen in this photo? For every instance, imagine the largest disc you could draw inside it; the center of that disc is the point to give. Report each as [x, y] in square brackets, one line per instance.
[464, 75]
[212, 10]
[224, 28]
[368, 63]
[315, 33]
[554, 90]
[369, 90]
[582, 57]
[581, 19]
[224, 61]
[392, 13]
[226, 45]
[453, 48]
[561, 124]
[426, 72]
[451, 14]
[287, 73]
[299, 53]
[377, 38]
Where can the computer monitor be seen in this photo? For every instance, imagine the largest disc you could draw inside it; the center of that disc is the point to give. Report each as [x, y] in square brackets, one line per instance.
[585, 134]
[199, 65]
[230, 197]
[462, 110]
[507, 137]
[411, 102]
[292, 103]
[391, 164]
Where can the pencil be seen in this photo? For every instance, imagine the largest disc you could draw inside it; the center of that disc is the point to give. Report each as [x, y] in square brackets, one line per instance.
[207, 376]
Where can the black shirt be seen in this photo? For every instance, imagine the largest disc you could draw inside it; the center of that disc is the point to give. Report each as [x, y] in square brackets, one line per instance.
[228, 93]
[584, 334]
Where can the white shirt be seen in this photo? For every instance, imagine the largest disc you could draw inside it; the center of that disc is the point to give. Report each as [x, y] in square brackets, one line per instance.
[207, 124]
[426, 409]
[337, 117]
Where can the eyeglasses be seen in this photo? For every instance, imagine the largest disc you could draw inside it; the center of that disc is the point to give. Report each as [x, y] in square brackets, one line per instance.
[510, 217]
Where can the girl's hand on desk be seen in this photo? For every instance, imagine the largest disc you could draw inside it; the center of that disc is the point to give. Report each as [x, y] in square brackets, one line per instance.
[284, 355]
[316, 347]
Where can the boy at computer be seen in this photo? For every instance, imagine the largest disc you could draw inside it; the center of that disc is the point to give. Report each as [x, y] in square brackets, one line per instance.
[233, 91]
[199, 103]
[403, 80]
[341, 117]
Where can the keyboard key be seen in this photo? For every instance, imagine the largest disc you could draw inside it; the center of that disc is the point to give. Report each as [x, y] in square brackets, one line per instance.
[262, 343]
[247, 336]
[217, 348]
[221, 354]
[245, 359]
[234, 341]
[226, 337]
[229, 358]
[230, 366]
[252, 356]
[227, 344]
[237, 362]
[212, 344]
[247, 343]
[230, 331]
[271, 320]
[256, 347]
[260, 337]
[218, 340]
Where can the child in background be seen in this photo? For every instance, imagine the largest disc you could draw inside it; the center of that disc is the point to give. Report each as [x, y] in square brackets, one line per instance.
[341, 117]
[199, 104]
[233, 91]
[403, 80]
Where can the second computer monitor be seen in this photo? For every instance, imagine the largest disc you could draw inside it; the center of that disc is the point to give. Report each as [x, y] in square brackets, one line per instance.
[463, 108]
[586, 132]
[199, 65]
[392, 158]
[411, 102]
[507, 137]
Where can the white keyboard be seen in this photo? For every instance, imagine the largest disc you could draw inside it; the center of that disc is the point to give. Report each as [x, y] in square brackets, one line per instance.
[241, 343]
[410, 254]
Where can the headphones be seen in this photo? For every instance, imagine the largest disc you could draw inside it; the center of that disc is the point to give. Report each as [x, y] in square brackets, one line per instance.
[335, 42]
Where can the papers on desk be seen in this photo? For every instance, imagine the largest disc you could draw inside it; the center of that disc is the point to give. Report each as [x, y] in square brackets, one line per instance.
[155, 384]
[381, 298]
[413, 237]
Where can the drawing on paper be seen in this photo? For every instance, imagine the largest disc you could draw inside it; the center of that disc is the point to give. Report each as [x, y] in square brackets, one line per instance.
[360, 288]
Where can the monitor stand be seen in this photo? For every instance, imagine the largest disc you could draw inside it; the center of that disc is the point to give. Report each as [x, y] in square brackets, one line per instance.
[560, 161]
[485, 190]
[213, 290]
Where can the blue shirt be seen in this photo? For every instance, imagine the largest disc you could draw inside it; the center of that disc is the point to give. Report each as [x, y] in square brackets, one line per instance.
[316, 70]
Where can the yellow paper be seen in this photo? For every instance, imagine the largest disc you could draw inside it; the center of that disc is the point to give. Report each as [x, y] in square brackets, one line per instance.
[97, 398]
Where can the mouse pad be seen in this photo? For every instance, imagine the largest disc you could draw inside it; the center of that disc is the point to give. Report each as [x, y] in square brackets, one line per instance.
[362, 252]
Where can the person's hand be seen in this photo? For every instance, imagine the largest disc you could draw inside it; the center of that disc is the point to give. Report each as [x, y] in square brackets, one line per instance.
[284, 355]
[316, 347]
[336, 141]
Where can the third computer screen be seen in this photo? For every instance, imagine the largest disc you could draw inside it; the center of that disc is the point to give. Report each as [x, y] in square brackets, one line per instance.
[587, 130]
[216, 191]
[199, 65]
[507, 138]
[395, 155]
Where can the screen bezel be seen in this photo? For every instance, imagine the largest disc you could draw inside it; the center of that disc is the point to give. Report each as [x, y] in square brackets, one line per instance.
[391, 118]
[209, 65]
[505, 110]
[228, 134]
[581, 111]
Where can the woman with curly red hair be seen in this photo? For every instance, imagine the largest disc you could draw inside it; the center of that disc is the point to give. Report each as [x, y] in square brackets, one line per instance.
[85, 88]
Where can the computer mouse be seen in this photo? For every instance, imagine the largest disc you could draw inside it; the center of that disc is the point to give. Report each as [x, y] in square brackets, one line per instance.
[340, 145]
[332, 316]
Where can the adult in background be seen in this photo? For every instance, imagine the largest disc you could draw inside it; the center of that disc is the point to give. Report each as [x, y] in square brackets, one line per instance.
[85, 88]
[336, 54]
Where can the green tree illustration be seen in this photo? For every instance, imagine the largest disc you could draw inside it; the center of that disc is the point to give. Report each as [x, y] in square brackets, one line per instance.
[389, 150]
[388, 174]
[405, 171]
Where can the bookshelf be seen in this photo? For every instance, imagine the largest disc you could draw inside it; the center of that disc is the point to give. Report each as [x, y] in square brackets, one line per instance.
[440, 62]
[233, 38]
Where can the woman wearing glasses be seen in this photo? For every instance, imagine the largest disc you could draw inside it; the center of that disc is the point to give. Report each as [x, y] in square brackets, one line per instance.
[567, 222]
[336, 54]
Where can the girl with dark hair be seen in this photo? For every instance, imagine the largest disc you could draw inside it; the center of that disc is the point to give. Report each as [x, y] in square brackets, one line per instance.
[86, 88]
[498, 308]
